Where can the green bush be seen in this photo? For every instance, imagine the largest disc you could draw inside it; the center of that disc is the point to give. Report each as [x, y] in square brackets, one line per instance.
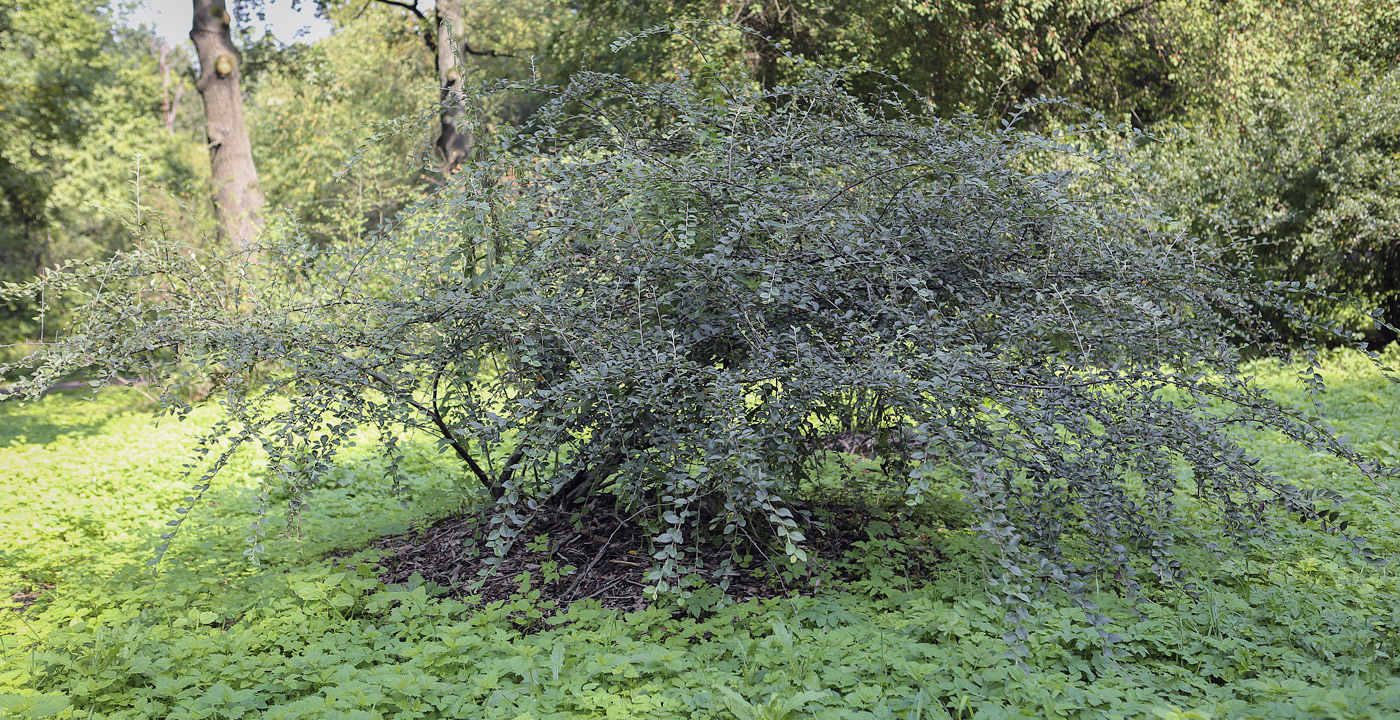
[662, 300]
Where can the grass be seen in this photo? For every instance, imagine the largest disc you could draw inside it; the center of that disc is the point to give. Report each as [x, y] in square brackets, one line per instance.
[1295, 628]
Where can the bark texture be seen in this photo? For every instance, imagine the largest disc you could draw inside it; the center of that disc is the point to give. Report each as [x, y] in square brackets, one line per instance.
[238, 199]
[454, 142]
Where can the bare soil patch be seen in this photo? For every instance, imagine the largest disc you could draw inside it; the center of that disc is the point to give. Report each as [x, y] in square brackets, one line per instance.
[30, 595]
[610, 554]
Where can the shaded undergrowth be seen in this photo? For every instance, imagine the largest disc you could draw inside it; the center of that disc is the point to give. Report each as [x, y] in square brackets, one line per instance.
[898, 627]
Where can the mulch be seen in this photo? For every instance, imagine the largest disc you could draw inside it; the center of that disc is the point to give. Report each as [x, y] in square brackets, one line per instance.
[610, 554]
[30, 595]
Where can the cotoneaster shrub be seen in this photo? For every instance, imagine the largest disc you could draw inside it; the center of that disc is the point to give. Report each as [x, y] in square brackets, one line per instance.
[660, 301]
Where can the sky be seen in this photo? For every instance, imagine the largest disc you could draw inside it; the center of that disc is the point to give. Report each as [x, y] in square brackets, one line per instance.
[171, 19]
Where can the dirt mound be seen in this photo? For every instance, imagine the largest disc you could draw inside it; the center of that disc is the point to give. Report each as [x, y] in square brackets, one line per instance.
[609, 553]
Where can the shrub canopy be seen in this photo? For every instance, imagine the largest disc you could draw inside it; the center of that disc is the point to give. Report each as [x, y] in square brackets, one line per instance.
[663, 300]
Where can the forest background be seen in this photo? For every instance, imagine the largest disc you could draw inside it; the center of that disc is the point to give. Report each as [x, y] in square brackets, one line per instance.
[1270, 129]
[1274, 122]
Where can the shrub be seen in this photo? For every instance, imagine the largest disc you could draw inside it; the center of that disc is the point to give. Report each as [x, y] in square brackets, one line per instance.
[660, 300]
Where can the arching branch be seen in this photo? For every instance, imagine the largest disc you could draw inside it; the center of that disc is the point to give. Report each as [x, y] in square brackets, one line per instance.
[411, 7]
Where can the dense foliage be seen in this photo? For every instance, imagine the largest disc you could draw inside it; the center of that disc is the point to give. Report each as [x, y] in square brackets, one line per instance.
[84, 140]
[1298, 629]
[1142, 60]
[700, 285]
[338, 133]
[663, 301]
[92, 100]
[1304, 183]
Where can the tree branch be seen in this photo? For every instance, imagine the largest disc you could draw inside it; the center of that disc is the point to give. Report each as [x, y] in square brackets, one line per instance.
[429, 35]
[484, 53]
[411, 7]
[436, 416]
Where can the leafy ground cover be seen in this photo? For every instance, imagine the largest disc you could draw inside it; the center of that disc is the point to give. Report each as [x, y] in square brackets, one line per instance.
[1303, 629]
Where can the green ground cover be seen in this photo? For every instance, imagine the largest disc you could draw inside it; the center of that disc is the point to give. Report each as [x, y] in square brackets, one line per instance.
[1300, 628]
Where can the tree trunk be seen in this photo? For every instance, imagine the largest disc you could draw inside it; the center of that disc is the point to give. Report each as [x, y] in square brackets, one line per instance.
[238, 199]
[1377, 337]
[168, 108]
[453, 142]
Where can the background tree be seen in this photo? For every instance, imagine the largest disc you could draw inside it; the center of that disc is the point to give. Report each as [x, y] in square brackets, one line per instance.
[1289, 165]
[462, 36]
[1303, 184]
[80, 99]
[339, 130]
[453, 140]
[1146, 60]
[54, 69]
[238, 198]
[981, 56]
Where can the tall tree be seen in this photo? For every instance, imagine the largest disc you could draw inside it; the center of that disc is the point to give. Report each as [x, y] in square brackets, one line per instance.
[446, 37]
[238, 199]
[453, 141]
